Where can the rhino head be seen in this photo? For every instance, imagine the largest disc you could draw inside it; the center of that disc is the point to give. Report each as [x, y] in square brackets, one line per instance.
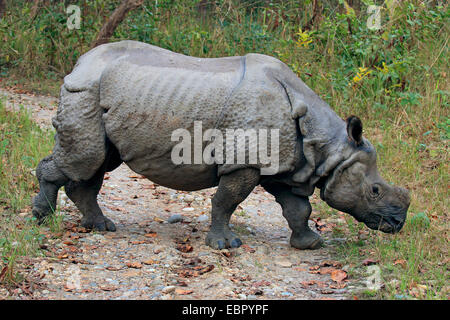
[356, 187]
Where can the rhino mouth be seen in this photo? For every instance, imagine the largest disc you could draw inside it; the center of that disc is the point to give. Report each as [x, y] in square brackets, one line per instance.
[390, 224]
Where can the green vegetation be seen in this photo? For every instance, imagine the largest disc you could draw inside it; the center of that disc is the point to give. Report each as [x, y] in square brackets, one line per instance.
[395, 79]
[23, 144]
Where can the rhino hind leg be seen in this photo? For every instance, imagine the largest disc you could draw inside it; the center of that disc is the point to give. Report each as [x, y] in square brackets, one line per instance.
[233, 189]
[50, 179]
[296, 210]
[84, 194]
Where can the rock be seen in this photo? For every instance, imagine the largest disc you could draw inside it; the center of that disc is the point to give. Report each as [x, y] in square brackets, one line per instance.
[202, 218]
[242, 296]
[155, 295]
[175, 218]
[283, 263]
[168, 289]
[98, 237]
[188, 209]
[202, 254]
[189, 198]
[287, 294]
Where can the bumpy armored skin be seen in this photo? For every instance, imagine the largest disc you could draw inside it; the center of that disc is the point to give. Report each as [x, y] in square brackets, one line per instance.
[123, 101]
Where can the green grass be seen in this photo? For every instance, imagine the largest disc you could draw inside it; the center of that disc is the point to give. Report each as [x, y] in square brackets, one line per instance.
[395, 79]
[23, 144]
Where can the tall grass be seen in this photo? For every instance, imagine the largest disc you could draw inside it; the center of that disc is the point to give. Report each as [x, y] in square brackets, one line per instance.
[22, 145]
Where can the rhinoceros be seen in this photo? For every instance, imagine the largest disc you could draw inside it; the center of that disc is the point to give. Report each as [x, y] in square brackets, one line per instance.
[123, 101]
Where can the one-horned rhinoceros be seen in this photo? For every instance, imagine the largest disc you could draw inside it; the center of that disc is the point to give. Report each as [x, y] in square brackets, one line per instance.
[123, 102]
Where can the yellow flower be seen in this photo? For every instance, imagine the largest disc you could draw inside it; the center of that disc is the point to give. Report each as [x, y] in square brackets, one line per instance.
[303, 38]
[361, 74]
[385, 68]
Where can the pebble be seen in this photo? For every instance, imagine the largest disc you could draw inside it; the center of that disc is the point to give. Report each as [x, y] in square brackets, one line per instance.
[155, 295]
[242, 296]
[283, 263]
[287, 294]
[98, 237]
[202, 218]
[175, 218]
[188, 209]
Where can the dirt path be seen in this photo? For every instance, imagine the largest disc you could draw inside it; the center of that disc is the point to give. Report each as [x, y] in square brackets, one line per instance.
[151, 258]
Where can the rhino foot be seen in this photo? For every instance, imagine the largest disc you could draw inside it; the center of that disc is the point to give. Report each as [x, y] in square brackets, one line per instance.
[41, 209]
[223, 240]
[98, 223]
[307, 239]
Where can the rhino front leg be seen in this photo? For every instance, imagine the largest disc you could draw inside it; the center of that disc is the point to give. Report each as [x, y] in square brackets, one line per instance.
[296, 210]
[233, 189]
[50, 180]
[84, 195]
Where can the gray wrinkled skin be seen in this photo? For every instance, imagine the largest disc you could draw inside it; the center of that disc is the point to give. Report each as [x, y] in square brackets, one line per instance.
[123, 100]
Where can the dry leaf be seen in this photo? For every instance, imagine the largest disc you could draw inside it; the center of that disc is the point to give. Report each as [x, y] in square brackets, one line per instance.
[108, 288]
[136, 265]
[226, 253]
[138, 242]
[248, 248]
[113, 268]
[151, 235]
[369, 262]
[149, 261]
[338, 275]
[323, 270]
[320, 284]
[330, 263]
[401, 262]
[183, 291]
[298, 269]
[262, 283]
[338, 285]
[194, 272]
[184, 247]
[3, 272]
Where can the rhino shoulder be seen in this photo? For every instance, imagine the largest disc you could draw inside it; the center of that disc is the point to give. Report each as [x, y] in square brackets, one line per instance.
[283, 77]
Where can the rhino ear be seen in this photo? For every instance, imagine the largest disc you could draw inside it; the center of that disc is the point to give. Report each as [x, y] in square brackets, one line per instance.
[354, 129]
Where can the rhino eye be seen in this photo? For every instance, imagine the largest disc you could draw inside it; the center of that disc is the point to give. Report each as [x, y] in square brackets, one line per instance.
[375, 189]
